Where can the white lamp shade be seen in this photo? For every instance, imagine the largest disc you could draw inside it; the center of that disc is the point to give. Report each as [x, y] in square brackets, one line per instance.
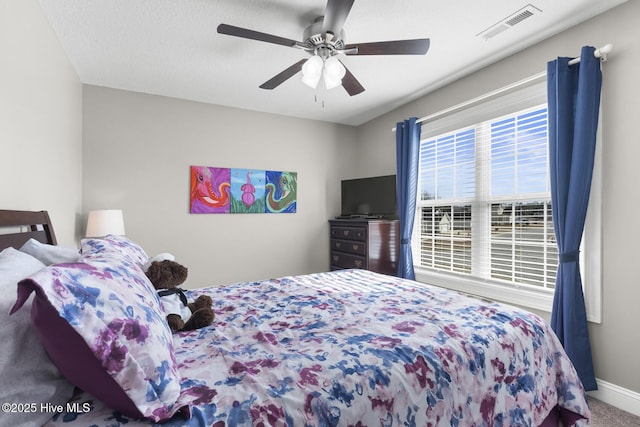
[312, 71]
[104, 222]
[334, 71]
[330, 82]
[312, 82]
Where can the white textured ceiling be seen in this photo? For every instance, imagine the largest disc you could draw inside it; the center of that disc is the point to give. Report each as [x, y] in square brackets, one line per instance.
[171, 48]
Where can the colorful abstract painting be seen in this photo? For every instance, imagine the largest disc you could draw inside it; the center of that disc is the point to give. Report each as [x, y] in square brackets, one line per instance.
[210, 189]
[281, 192]
[247, 191]
[236, 190]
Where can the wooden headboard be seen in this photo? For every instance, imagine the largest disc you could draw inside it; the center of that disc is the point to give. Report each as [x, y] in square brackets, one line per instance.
[37, 225]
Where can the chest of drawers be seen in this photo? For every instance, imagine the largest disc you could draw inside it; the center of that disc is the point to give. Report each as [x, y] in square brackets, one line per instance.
[368, 244]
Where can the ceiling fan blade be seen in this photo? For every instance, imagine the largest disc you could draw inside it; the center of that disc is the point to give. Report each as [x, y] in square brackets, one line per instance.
[396, 47]
[283, 76]
[231, 30]
[351, 84]
[335, 14]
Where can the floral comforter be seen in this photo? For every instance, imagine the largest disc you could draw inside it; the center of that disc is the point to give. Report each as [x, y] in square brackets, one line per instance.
[356, 348]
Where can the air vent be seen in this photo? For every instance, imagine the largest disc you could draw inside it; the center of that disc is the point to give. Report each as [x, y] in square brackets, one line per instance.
[508, 22]
[519, 18]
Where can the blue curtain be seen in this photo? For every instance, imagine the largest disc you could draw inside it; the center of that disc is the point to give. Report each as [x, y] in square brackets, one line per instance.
[573, 93]
[407, 158]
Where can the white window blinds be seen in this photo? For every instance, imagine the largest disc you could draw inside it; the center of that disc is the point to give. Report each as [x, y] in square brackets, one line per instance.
[484, 201]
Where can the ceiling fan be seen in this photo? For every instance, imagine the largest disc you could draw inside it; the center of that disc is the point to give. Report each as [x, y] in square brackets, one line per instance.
[324, 40]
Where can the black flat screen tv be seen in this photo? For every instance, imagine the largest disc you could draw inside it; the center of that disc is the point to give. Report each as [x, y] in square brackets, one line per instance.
[373, 197]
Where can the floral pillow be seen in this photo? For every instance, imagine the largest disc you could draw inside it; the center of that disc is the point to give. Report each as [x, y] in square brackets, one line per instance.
[114, 245]
[101, 323]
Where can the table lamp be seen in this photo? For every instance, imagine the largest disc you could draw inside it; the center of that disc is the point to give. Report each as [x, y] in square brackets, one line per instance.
[103, 222]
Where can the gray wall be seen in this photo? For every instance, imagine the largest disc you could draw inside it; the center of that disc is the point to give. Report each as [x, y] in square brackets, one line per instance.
[137, 153]
[40, 119]
[615, 342]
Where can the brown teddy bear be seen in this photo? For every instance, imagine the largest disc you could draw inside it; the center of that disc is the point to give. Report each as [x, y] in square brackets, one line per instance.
[166, 275]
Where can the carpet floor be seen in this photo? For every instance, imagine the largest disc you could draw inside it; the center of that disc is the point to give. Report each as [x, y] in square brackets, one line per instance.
[604, 415]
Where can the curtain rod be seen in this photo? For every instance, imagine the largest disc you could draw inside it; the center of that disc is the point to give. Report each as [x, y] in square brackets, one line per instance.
[598, 53]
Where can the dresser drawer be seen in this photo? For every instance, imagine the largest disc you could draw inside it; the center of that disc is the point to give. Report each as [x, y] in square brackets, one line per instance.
[343, 260]
[349, 246]
[349, 233]
[368, 244]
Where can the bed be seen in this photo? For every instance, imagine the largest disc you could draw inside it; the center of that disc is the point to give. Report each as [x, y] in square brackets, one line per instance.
[342, 348]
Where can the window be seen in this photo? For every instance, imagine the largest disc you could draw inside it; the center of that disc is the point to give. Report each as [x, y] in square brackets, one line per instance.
[485, 201]
[483, 219]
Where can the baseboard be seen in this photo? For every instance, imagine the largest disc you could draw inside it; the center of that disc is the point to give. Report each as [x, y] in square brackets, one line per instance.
[617, 396]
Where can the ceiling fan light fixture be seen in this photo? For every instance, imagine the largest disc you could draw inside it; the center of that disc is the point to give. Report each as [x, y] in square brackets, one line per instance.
[312, 82]
[330, 82]
[333, 73]
[334, 68]
[312, 71]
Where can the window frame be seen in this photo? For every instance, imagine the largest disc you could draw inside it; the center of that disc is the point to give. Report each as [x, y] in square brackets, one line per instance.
[511, 99]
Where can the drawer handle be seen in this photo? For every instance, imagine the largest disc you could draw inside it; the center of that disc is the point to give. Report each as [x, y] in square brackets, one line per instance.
[355, 247]
[358, 263]
[338, 244]
[345, 232]
[336, 258]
